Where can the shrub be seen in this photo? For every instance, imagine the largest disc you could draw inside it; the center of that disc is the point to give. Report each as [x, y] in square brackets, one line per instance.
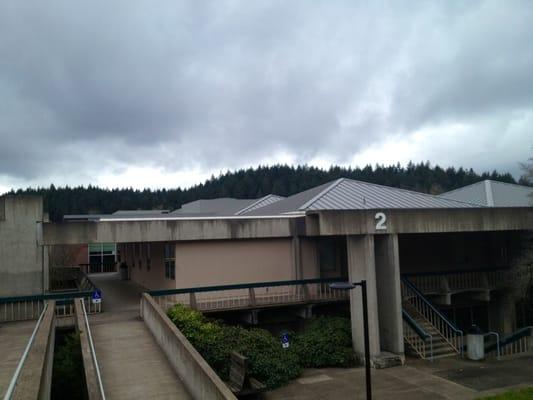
[269, 362]
[325, 342]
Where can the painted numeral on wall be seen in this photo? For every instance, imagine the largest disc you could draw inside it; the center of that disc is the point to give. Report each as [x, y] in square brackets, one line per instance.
[381, 221]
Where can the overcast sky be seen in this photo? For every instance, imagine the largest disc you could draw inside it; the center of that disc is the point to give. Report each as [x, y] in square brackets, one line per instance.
[166, 93]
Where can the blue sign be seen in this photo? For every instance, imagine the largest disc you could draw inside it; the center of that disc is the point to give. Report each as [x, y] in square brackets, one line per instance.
[285, 340]
[96, 296]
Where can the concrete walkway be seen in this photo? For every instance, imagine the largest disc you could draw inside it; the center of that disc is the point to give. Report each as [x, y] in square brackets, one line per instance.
[117, 295]
[14, 337]
[131, 363]
[446, 378]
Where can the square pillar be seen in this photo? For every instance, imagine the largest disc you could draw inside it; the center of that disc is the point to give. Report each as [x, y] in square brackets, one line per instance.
[502, 313]
[361, 266]
[389, 293]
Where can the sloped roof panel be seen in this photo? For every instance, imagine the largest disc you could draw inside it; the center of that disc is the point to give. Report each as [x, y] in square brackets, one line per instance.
[493, 194]
[356, 195]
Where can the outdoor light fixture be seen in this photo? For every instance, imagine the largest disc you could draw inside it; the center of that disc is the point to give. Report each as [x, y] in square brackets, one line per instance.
[350, 286]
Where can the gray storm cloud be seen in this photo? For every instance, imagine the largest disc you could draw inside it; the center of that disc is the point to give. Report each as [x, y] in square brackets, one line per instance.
[223, 84]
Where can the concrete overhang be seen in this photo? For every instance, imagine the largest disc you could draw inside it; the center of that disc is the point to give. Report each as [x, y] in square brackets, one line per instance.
[171, 229]
[359, 222]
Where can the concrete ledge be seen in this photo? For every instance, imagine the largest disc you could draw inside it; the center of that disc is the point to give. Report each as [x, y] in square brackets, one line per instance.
[198, 377]
[35, 379]
[91, 379]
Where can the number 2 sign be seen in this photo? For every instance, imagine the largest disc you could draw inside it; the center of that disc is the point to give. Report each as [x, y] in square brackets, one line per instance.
[381, 221]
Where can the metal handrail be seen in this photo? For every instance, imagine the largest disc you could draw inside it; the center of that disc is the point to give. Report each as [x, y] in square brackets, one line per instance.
[93, 352]
[48, 296]
[420, 331]
[165, 292]
[497, 342]
[519, 334]
[434, 309]
[15, 377]
[450, 272]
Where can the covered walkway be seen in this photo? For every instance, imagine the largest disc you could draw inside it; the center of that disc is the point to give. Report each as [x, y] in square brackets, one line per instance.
[131, 363]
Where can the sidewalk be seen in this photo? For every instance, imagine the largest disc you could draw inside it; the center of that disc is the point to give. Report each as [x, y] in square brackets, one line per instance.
[448, 378]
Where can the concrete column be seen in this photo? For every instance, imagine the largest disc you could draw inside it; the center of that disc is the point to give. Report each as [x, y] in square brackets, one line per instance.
[502, 313]
[296, 258]
[389, 293]
[361, 266]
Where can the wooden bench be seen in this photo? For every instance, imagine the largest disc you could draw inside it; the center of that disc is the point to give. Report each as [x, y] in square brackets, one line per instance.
[239, 382]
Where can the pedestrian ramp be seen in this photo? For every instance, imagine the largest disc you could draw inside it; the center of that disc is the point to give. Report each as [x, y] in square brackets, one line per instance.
[131, 363]
[14, 337]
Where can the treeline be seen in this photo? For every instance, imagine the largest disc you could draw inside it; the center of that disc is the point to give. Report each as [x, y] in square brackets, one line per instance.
[254, 182]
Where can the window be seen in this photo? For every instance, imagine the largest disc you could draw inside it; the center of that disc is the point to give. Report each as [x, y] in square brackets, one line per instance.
[170, 261]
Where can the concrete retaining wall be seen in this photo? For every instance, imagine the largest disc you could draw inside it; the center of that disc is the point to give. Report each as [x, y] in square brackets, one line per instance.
[35, 379]
[199, 378]
[91, 379]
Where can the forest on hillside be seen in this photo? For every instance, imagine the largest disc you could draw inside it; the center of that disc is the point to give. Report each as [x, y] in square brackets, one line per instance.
[252, 183]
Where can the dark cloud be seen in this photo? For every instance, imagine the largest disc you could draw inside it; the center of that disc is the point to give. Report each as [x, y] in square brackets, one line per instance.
[93, 88]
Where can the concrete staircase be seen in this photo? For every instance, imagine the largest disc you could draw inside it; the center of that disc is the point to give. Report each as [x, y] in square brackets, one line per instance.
[441, 347]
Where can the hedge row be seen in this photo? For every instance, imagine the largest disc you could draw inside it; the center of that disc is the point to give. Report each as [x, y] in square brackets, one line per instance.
[325, 343]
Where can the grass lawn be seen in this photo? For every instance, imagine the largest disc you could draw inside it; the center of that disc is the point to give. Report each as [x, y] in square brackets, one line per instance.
[522, 394]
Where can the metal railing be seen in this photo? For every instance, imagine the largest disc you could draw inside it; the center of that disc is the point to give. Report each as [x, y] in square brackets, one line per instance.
[69, 279]
[520, 341]
[251, 295]
[14, 379]
[459, 281]
[23, 308]
[412, 296]
[497, 335]
[93, 352]
[417, 337]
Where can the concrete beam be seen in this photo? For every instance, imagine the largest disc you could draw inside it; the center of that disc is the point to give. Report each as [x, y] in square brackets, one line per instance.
[358, 222]
[164, 230]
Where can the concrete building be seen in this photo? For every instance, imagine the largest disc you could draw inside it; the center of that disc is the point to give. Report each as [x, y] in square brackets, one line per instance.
[412, 249]
[23, 259]
[347, 229]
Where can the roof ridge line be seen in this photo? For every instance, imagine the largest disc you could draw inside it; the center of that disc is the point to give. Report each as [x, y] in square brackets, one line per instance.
[309, 202]
[489, 195]
[242, 210]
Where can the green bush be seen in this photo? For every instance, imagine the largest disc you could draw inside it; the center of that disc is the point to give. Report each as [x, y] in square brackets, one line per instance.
[325, 342]
[269, 362]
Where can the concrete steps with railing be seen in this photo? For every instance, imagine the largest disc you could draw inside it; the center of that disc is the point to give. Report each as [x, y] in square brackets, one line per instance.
[421, 312]
[441, 347]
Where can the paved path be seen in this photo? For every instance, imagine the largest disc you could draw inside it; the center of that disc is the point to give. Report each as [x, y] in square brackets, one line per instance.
[446, 378]
[14, 337]
[117, 295]
[131, 362]
[398, 383]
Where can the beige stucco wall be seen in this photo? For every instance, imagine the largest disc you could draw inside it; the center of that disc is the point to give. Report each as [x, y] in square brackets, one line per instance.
[223, 262]
[237, 261]
[150, 279]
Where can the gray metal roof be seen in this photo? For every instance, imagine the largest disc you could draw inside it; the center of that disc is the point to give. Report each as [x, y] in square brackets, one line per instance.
[493, 194]
[262, 202]
[213, 207]
[117, 214]
[348, 194]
